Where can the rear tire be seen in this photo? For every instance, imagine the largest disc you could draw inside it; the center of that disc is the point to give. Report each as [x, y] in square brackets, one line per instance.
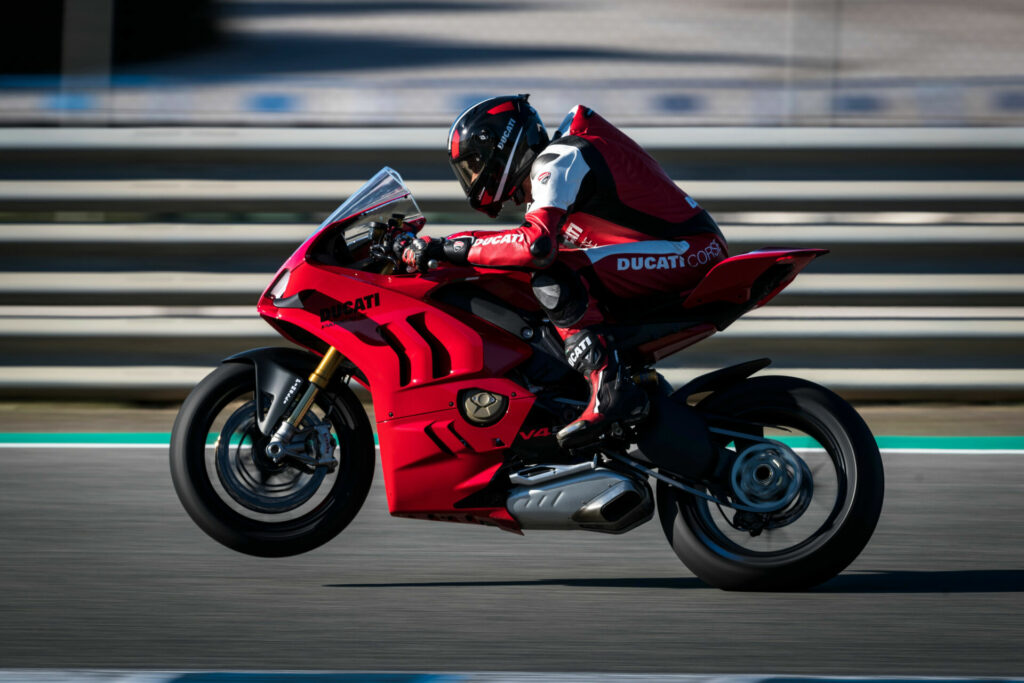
[734, 559]
[316, 516]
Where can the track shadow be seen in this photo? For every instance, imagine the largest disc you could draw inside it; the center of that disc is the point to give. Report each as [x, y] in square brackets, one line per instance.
[967, 581]
[679, 583]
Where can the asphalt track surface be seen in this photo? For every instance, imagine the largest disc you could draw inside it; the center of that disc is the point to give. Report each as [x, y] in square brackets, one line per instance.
[101, 568]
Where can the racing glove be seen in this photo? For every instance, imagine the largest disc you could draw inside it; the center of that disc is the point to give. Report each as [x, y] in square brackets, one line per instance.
[423, 253]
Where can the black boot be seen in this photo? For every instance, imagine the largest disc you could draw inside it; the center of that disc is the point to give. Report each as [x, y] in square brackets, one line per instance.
[613, 397]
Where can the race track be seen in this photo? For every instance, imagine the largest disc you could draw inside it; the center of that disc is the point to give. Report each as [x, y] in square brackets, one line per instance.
[100, 567]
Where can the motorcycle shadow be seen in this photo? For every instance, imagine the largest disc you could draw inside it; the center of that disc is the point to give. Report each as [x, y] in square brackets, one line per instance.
[963, 581]
[661, 582]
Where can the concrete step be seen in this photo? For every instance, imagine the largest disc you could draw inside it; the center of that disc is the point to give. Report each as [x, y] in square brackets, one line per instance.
[172, 383]
[210, 288]
[740, 228]
[899, 340]
[445, 196]
[805, 322]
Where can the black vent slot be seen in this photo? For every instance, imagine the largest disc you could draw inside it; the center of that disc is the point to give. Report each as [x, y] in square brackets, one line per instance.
[298, 335]
[404, 366]
[441, 446]
[440, 359]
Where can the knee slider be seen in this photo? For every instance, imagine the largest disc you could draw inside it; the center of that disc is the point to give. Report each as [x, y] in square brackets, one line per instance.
[561, 294]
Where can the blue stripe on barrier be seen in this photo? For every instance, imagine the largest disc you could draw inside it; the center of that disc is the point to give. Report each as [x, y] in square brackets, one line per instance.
[71, 102]
[336, 677]
[1012, 100]
[272, 103]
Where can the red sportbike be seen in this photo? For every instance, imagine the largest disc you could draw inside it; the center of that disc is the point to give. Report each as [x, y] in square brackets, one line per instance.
[759, 483]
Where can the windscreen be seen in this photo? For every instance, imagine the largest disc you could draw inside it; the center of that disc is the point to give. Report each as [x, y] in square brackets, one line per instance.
[383, 195]
[346, 235]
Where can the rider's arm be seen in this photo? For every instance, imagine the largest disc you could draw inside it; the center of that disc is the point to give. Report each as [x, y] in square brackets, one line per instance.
[556, 178]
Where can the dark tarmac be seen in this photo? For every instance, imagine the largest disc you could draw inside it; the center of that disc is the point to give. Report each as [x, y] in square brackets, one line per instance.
[101, 568]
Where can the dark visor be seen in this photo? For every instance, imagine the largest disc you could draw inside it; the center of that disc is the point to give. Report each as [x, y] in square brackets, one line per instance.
[467, 168]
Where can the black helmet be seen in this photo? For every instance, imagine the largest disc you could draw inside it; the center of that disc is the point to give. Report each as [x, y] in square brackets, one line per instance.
[491, 147]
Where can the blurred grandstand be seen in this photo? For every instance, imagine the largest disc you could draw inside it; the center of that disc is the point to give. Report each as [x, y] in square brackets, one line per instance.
[159, 159]
[414, 62]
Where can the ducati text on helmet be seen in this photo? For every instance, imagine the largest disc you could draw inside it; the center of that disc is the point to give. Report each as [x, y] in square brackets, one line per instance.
[508, 131]
[491, 147]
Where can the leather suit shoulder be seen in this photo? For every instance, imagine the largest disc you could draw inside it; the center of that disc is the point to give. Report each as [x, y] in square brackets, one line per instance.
[557, 176]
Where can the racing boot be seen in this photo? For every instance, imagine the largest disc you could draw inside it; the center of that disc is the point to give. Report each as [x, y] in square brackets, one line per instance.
[613, 396]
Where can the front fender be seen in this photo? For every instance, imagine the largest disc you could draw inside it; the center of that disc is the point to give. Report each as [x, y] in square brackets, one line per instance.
[281, 374]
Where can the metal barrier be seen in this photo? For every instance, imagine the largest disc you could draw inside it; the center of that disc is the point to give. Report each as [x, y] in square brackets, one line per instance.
[133, 289]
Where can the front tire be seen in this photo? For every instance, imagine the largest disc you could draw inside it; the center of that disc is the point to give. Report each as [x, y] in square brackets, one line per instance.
[814, 540]
[253, 506]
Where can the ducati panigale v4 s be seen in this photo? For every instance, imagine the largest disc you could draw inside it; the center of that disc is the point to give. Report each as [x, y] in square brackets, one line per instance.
[760, 483]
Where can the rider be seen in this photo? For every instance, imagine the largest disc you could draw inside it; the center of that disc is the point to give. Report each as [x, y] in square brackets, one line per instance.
[604, 223]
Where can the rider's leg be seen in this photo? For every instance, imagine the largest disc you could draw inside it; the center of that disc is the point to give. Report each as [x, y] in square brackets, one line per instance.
[574, 312]
[629, 272]
[613, 395]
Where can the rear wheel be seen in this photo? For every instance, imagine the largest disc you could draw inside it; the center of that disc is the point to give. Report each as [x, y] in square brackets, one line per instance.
[242, 498]
[824, 466]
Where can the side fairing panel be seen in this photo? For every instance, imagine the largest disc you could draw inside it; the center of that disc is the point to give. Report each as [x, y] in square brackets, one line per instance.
[434, 460]
[400, 342]
[416, 359]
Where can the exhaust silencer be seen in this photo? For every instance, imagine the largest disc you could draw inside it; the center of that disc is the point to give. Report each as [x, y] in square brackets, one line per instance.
[581, 496]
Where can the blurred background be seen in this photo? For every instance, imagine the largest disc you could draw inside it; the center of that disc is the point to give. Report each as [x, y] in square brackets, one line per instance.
[160, 159]
[416, 62]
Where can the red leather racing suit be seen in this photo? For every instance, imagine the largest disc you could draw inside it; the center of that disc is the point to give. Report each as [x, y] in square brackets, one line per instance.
[604, 210]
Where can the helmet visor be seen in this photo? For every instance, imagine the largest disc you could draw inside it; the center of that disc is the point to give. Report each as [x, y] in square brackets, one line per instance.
[468, 168]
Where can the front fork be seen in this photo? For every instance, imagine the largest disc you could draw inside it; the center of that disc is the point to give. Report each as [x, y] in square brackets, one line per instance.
[281, 445]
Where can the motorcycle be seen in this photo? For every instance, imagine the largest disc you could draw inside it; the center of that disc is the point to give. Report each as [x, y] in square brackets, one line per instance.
[759, 483]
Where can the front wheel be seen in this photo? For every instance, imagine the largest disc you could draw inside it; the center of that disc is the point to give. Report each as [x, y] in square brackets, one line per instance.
[239, 496]
[831, 510]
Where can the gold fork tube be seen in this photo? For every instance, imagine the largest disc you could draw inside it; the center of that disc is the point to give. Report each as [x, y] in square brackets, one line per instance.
[279, 443]
[317, 381]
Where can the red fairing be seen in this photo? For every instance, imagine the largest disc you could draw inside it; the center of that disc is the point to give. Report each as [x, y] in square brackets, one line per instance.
[416, 357]
[423, 356]
[516, 247]
[640, 182]
[731, 280]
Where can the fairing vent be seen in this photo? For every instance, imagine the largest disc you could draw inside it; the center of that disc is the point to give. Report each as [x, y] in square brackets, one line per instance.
[404, 366]
[422, 357]
[298, 335]
[441, 360]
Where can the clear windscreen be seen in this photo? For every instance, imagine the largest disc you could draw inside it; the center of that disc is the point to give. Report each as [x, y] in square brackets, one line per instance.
[383, 196]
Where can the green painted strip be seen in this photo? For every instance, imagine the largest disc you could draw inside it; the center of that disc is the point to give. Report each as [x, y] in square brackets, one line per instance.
[951, 443]
[945, 443]
[144, 438]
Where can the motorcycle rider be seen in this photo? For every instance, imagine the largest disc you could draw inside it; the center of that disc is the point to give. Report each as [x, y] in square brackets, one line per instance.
[604, 223]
